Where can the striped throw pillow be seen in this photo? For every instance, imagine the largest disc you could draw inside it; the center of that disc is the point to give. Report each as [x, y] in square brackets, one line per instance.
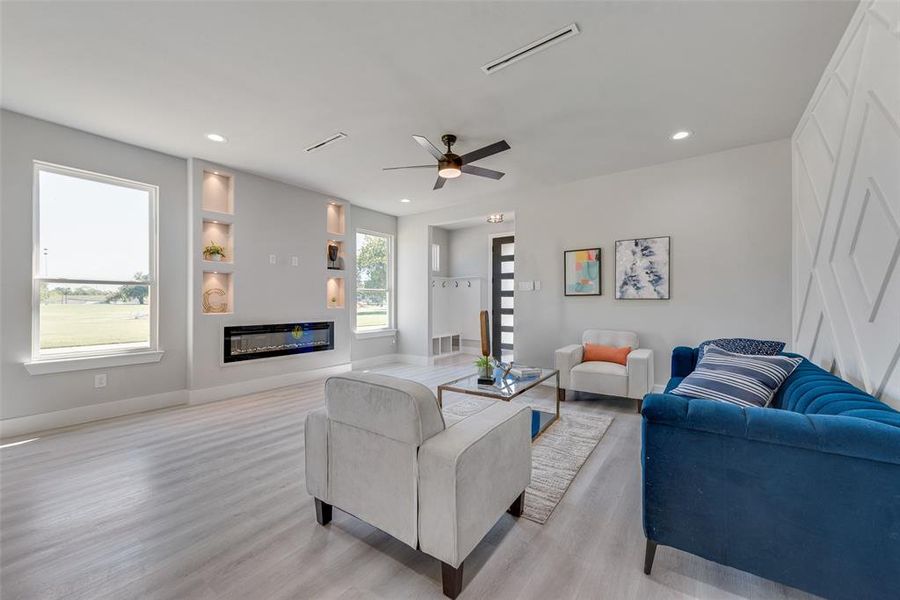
[742, 379]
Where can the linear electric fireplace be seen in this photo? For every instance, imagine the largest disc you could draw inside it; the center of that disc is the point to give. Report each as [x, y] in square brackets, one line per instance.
[249, 342]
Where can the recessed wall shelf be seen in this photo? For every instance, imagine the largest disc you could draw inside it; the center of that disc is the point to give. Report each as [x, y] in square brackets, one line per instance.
[221, 234]
[334, 255]
[334, 290]
[334, 223]
[218, 293]
[217, 194]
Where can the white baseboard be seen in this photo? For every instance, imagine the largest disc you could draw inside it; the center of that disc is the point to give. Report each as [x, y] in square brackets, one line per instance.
[93, 412]
[241, 388]
[659, 388]
[375, 361]
[414, 359]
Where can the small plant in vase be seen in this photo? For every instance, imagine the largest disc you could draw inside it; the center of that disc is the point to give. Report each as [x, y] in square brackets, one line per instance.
[214, 252]
[485, 366]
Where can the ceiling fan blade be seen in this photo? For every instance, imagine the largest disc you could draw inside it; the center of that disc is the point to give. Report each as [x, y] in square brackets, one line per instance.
[423, 141]
[439, 183]
[489, 173]
[410, 167]
[489, 150]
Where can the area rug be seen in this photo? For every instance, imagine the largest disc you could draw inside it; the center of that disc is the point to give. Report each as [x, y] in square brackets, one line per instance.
[556, 456]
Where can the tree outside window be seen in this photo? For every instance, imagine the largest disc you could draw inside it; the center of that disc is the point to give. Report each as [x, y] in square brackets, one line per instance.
[373, 279]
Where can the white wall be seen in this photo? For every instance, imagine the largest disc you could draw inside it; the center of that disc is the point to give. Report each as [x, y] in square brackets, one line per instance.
[470, 249]
[362, 218]
[846, 199]
[270, 218]
[728, 215]
[24, 140]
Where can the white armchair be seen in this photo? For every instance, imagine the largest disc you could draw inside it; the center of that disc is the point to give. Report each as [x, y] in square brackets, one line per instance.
[632, 380]
[380, 450]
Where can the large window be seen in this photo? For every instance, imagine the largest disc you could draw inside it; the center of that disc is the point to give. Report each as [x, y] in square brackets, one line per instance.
[374, 273]
[95, 283]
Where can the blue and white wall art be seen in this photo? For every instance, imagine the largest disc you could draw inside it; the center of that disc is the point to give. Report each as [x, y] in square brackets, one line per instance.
[642, 269]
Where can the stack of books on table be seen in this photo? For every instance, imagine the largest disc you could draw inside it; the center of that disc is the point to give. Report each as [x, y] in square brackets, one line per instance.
[525, 372]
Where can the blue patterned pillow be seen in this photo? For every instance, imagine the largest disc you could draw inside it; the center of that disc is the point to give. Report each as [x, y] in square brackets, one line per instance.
[737, 378]
[744, 346]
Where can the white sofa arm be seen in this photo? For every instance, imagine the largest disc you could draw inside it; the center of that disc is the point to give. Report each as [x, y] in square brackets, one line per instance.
[469, 475]
[315, 449]
[566, 358]
[640, 372]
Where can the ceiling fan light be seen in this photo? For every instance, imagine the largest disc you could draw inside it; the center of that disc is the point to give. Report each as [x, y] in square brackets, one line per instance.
[449, 172]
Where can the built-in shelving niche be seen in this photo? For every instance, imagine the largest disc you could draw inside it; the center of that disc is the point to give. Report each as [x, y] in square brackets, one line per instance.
[335, 249]
[218, 293]
[334, 223]
[217, 194]
[219, 233]
[334, 290]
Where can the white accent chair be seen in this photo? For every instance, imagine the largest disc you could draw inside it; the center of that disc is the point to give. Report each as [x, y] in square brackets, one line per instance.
[381, 451]
[633, 380]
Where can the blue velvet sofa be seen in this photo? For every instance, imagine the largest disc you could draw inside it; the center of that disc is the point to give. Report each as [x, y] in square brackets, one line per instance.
[806, 492]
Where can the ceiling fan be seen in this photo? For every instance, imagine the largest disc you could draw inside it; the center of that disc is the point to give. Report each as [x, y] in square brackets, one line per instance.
[450, 165]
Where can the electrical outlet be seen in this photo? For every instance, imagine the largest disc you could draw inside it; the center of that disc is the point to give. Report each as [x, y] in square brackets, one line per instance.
[100, 380]
[295, 261]
[272, 259]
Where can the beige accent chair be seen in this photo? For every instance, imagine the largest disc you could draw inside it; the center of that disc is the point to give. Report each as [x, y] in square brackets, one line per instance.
[381, 451]
[633, 380]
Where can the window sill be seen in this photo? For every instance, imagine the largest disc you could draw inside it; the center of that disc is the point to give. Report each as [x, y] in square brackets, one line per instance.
[375, 333]
[83, 363]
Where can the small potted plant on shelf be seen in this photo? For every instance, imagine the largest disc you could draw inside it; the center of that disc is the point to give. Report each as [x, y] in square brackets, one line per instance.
[485, 370]
[214, 252]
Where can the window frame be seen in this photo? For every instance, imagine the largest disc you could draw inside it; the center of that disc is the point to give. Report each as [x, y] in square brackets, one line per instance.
[389, 289]
[148, 353]
[435, 257]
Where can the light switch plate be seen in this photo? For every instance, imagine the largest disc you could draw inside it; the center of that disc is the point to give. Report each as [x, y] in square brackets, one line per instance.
[295, 261]
[537, 285]
[100, 380]
[272, 259]
[526, 286]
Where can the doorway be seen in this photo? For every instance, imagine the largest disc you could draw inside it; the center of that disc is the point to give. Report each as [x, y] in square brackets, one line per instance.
[503, 250]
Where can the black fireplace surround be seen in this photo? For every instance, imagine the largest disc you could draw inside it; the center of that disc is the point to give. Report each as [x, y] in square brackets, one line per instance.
[249, 342]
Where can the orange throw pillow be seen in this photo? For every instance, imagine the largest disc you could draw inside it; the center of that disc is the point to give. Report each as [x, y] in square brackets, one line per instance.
[606, 353]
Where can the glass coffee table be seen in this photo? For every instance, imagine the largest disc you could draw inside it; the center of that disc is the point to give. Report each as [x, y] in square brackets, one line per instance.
[509, 389]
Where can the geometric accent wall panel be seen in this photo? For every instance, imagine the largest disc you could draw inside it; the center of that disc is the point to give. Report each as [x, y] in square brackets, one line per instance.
[846, 169]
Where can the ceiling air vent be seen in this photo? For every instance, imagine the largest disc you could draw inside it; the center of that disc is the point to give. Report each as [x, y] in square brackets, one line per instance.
[536, 46]
[326, 141]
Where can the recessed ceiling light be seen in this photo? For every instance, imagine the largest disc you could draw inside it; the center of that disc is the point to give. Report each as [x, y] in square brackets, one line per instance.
[496, 218]
[404, 200]
[216, 137]
[681, 135]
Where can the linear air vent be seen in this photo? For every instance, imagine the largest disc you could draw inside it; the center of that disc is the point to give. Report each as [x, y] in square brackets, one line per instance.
[536, 46]
[326, 141]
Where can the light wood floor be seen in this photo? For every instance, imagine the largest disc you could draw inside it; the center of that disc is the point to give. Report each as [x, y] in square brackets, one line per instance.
[209, 502]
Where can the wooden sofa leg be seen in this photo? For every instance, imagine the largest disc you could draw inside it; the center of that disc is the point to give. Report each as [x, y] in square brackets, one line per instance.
[640, 405]
[323, 512]
[452, 579]
[561, 394]
[649, 554]
[518, 505]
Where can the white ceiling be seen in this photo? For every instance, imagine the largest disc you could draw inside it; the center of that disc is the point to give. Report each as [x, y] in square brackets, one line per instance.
[276, 77]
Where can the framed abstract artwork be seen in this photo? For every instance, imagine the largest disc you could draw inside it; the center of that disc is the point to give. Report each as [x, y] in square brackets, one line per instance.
[582, 272]
[642, 269]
